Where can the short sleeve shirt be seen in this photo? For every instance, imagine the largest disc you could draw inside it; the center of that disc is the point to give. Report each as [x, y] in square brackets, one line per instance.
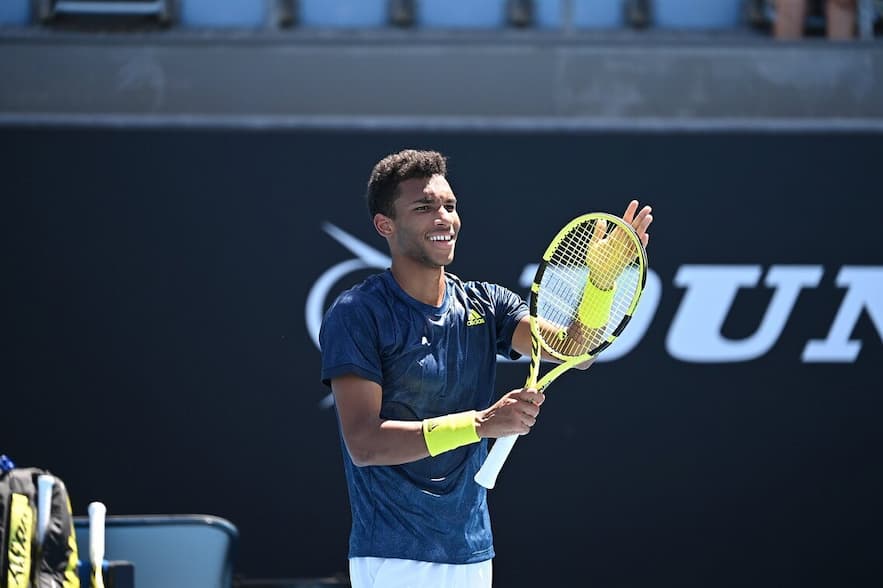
[429, 361]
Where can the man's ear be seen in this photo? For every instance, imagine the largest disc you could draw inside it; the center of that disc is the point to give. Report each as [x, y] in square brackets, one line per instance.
[383, 225]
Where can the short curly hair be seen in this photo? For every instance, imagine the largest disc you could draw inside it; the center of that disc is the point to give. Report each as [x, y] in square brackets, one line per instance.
[392, 170]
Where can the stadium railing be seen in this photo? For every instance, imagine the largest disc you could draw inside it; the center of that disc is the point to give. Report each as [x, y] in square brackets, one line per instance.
[453, 15]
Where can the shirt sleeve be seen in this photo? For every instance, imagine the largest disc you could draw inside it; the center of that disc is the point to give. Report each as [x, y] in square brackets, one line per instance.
[509, 309]
[349, 341]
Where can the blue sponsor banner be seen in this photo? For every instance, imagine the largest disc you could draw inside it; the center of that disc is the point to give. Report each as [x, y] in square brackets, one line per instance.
[164, 290]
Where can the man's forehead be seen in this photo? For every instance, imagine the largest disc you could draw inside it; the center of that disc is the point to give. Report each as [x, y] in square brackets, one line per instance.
[438, 185]
[425, 189]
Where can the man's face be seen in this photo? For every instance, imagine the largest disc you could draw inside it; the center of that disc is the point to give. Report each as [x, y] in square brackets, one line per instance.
[426, 221]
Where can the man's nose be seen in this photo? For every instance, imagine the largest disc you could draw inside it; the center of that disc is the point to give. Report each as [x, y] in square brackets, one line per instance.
[445, 217]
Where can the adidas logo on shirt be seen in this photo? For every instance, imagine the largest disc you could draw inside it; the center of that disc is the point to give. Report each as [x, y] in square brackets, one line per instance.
[474, 318]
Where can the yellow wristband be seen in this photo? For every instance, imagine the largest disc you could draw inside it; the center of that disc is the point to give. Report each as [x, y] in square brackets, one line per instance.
[449, 432]
[594, 308]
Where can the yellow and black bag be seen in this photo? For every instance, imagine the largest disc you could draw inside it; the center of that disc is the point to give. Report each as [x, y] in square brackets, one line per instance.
[23, 563]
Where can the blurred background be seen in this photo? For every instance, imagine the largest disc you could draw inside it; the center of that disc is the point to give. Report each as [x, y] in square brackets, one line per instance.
[182, 199]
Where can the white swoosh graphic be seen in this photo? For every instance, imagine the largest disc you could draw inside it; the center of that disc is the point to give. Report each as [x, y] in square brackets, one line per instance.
[366, 257]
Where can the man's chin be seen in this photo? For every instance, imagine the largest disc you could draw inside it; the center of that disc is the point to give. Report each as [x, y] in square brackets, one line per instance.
[438, 260]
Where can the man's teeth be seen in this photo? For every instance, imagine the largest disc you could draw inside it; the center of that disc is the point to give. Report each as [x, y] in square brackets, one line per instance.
[440, 238]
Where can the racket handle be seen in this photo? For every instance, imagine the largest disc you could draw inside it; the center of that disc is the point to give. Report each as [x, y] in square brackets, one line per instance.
[487, 475]
[45, 482]
[97, 512]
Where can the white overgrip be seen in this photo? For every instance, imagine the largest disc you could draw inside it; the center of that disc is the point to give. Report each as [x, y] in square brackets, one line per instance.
[97, 513]
[45, 482]
[487, 475]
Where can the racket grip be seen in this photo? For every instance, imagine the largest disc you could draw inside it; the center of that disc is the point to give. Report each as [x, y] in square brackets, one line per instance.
[44, 504]
[97, 512]
[487, 475]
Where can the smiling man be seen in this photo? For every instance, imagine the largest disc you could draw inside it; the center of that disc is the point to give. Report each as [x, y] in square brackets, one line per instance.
[410, 355]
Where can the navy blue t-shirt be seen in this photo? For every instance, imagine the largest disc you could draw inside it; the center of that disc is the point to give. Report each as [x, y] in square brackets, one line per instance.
[429, 361]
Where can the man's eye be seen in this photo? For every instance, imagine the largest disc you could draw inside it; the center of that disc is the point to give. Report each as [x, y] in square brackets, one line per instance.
[451, 207]
[422, 208]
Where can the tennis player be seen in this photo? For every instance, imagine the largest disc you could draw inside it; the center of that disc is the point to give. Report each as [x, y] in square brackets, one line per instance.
[410, 355]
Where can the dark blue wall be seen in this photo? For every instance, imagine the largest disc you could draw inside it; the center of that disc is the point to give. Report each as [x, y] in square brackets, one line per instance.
[157, 355]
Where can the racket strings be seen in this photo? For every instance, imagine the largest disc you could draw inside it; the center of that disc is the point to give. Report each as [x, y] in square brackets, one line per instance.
[607, 257]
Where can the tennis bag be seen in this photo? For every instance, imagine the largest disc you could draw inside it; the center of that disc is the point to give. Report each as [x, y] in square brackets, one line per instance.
[24, 564]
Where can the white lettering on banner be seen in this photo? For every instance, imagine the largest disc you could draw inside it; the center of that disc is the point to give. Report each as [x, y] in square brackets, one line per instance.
[695, 332]
[865, 290]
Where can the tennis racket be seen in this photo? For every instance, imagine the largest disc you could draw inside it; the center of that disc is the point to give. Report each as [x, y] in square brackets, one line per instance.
[97, 512]
[583, 295]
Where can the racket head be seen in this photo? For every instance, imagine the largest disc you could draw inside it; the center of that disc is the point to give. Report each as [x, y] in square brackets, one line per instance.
[600, 247]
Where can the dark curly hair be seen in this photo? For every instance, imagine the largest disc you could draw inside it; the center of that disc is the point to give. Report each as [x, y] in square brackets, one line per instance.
[383, 186]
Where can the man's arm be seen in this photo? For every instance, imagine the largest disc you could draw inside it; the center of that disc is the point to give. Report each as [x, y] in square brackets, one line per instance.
[371, 440]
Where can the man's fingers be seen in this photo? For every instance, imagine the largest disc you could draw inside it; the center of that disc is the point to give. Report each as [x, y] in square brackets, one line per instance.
[598, 231]
[629, 213]
[532, 396]
[529, 414]
[640, 218]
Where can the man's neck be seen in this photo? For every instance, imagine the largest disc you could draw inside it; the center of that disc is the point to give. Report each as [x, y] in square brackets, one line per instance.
[426, 284]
